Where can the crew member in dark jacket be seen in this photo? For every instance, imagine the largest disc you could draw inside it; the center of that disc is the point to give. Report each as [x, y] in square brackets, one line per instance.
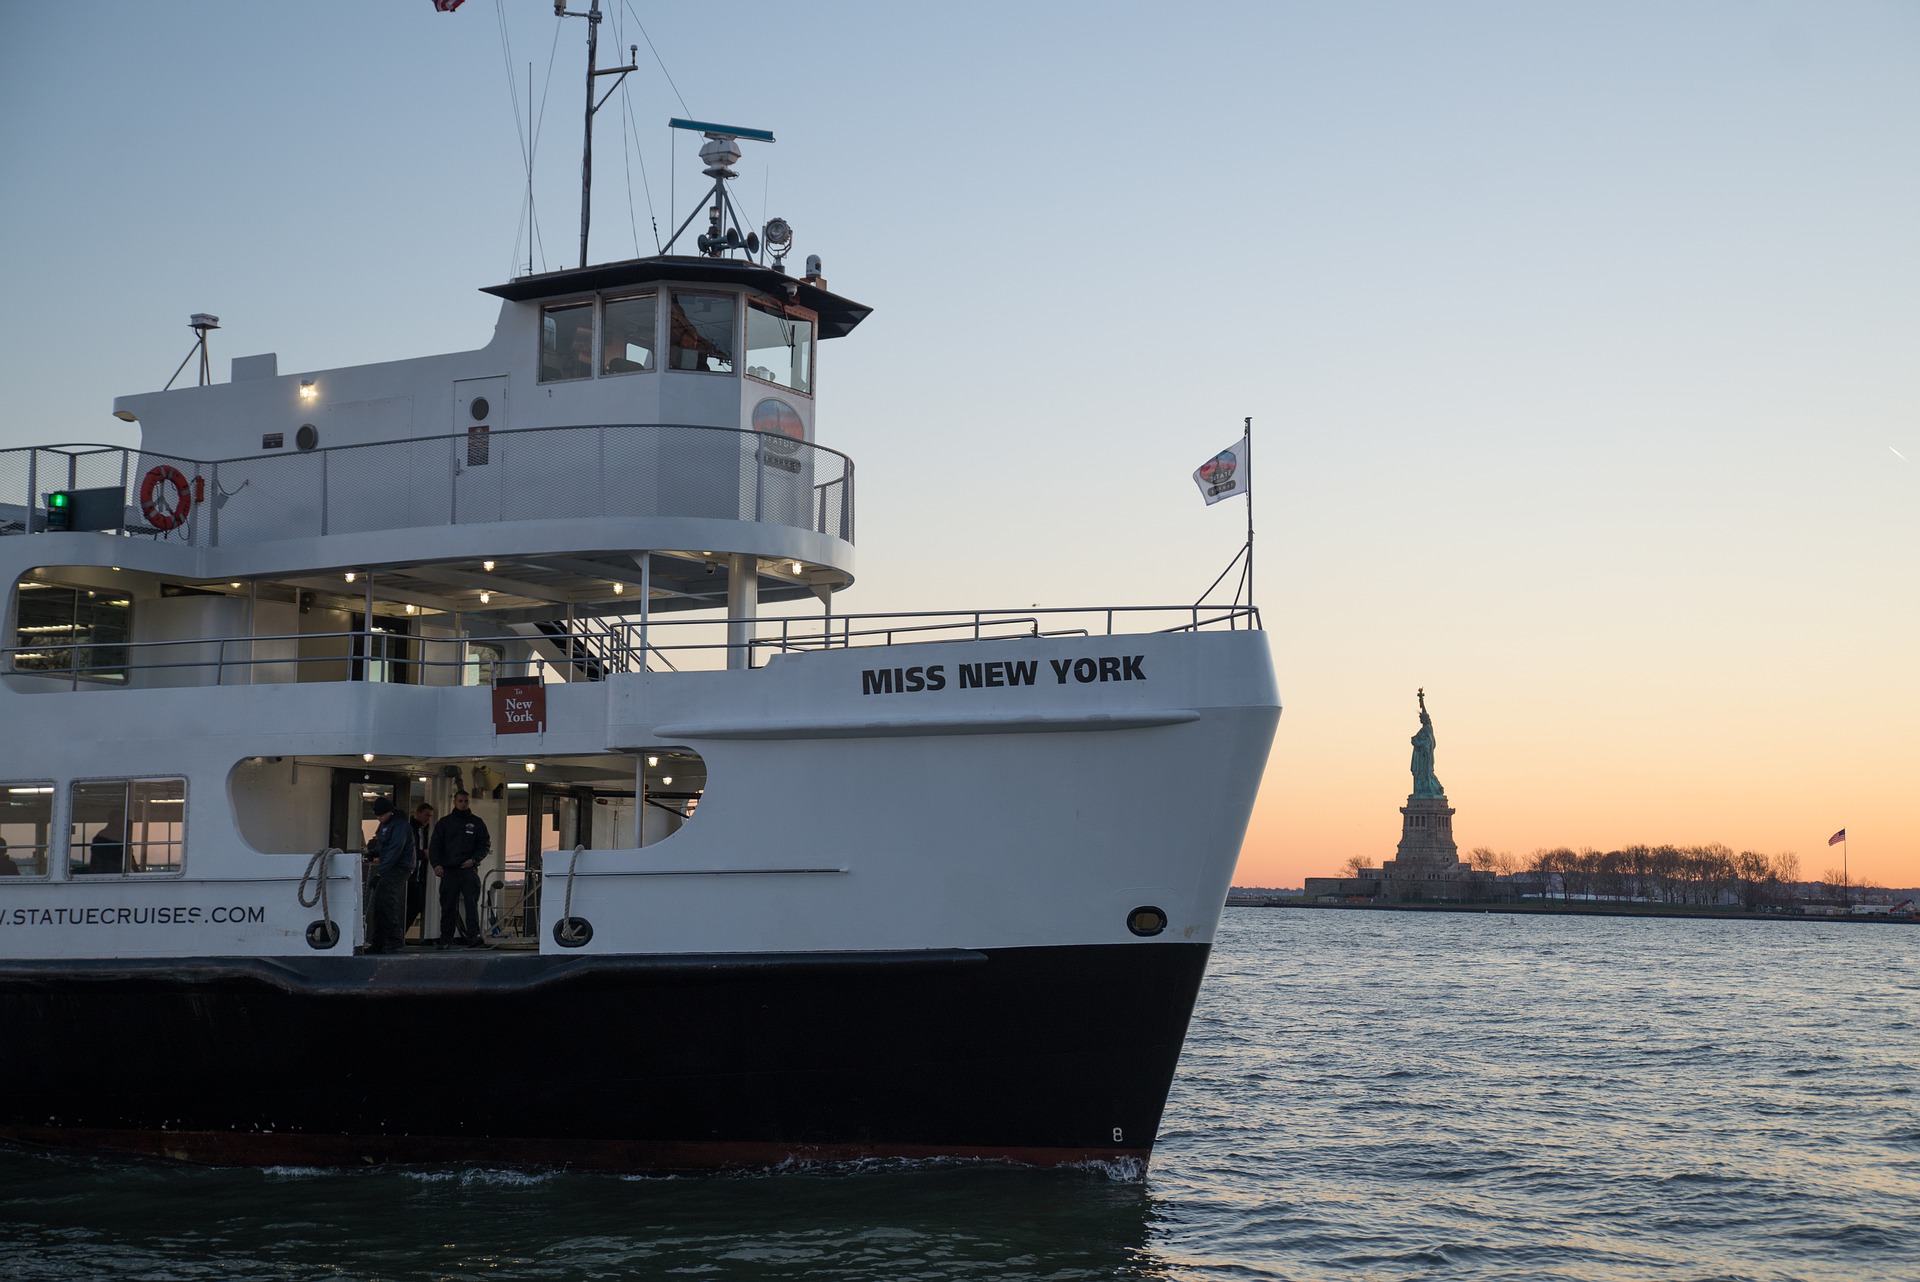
[422, 825]
[460, 845]
[392, 852]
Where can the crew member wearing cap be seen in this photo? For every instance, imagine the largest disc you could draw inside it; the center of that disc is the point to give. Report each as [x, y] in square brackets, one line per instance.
[392, 851]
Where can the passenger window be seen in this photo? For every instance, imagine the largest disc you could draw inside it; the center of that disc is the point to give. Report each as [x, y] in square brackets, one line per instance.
[628, 328]
[702, 333]
[26, 827]
[779, 347]
[566, 342]
[127, 827]
[81, 631]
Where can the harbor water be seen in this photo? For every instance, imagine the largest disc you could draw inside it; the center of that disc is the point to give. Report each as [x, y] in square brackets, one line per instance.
[1364, 1095]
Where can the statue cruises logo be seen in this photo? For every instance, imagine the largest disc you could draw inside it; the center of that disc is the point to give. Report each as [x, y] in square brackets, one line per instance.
[1225, 475]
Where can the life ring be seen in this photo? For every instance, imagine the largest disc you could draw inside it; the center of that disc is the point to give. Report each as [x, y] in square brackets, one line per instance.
[158, 515]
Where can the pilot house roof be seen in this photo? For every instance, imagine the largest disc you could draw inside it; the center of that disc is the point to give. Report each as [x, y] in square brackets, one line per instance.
[837, 315]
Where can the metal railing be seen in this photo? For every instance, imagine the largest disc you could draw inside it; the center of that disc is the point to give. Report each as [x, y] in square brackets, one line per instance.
[591, 650]
[535, 473]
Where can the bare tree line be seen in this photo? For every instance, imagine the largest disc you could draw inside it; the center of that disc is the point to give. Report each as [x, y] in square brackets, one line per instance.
[1700, 876]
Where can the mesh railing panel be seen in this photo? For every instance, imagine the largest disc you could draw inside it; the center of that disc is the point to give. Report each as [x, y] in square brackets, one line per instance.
[525, 475]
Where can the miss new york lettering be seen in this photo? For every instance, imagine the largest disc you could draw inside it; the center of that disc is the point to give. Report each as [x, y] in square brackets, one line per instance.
[1002, 672]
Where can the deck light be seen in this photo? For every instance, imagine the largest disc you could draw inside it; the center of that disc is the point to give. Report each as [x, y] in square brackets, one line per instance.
[234, 583]
[307, 390]
[412, 608]
[529, 767]
[487, 566]
[618, 588]
[653, 761]
[796, 567]
[366, 756]
[349, 576]
[666, 779]
[485, 597]
[126, 416]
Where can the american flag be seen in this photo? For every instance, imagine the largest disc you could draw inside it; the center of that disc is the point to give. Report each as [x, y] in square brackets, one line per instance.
[1837, 837]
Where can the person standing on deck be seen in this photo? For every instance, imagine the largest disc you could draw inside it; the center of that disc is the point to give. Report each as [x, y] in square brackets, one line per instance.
[392, 851]
[422, 825]
[460, 845]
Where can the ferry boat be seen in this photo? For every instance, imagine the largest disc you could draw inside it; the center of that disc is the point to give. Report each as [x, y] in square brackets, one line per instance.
[762, 886]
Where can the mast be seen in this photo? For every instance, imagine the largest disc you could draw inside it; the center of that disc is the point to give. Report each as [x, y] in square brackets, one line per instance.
[592, 15]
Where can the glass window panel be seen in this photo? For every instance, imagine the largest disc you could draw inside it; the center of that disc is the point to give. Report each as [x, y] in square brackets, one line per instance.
[779, 347]
[26, 829]
[702, 332]
[97, 845]
[566, 342]
[628, 330]
[127, 826]
[44, 628]
[103, 620]
[156, 825]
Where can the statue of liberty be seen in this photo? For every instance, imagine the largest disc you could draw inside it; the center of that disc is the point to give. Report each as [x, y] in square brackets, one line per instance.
[1425, 784]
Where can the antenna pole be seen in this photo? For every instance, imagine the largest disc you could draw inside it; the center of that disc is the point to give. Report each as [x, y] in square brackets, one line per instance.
[586, 154]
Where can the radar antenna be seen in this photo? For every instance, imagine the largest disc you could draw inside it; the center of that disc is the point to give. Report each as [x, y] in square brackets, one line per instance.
[199, 323]
[720, 153]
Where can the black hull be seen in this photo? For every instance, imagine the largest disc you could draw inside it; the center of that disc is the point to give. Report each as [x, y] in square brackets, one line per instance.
[1040, 1055]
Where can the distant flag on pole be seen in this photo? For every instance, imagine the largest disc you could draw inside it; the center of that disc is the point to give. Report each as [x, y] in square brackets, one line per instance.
[1837, 837]
[448, 6]
[1225, 475]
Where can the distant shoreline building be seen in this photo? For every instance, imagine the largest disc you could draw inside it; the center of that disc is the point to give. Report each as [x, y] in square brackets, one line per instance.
[1427, 863]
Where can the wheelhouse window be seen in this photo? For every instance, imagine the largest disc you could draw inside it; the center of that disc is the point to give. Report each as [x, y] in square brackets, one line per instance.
[127, 827]
[701, 334]
[26, 828]
[629, 330]
[83, 631]
[779, 347]
[566, 342]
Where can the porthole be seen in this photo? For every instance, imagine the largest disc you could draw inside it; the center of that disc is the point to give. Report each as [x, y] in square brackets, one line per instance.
[307, 437]
[479, 408]
[1146, 921]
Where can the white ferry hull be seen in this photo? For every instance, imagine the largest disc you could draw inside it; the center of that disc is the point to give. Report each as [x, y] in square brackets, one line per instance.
[897, 926]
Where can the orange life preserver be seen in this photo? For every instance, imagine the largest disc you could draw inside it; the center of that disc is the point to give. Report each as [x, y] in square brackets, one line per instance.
[158, 514]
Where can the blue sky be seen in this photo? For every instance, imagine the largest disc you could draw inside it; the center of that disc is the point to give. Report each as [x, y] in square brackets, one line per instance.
[1580, 339]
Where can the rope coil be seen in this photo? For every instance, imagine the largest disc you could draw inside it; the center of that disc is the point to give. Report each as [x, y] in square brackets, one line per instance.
[323, 933]
[571, 931]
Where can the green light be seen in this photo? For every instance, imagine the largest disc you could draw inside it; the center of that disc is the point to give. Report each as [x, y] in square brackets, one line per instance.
[60, 510]
[59, 499]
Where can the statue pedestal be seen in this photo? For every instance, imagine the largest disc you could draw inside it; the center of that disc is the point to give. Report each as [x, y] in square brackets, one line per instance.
[1426, 846]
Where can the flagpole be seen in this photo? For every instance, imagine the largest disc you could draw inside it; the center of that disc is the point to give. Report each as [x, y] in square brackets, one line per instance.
[1249, 475]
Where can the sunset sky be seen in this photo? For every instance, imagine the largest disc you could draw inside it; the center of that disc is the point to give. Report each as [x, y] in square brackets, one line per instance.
[1582, 341]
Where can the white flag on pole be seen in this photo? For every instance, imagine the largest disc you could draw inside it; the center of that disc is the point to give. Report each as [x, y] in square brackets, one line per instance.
[1225, 475]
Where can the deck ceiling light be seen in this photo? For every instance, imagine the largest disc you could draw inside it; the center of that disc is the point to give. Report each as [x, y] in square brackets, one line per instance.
[349, 576]
[485, 597]
[487, 566]
[366, 756]
[618, 588]
[665, 779]
[529, 767]
[412, 608]
[796, 567]
[653, 761]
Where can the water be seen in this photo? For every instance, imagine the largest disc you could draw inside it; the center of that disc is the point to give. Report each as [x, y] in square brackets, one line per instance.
[1364, 1096]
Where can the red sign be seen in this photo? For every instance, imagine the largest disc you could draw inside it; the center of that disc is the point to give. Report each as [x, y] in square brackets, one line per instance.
[519, 706]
